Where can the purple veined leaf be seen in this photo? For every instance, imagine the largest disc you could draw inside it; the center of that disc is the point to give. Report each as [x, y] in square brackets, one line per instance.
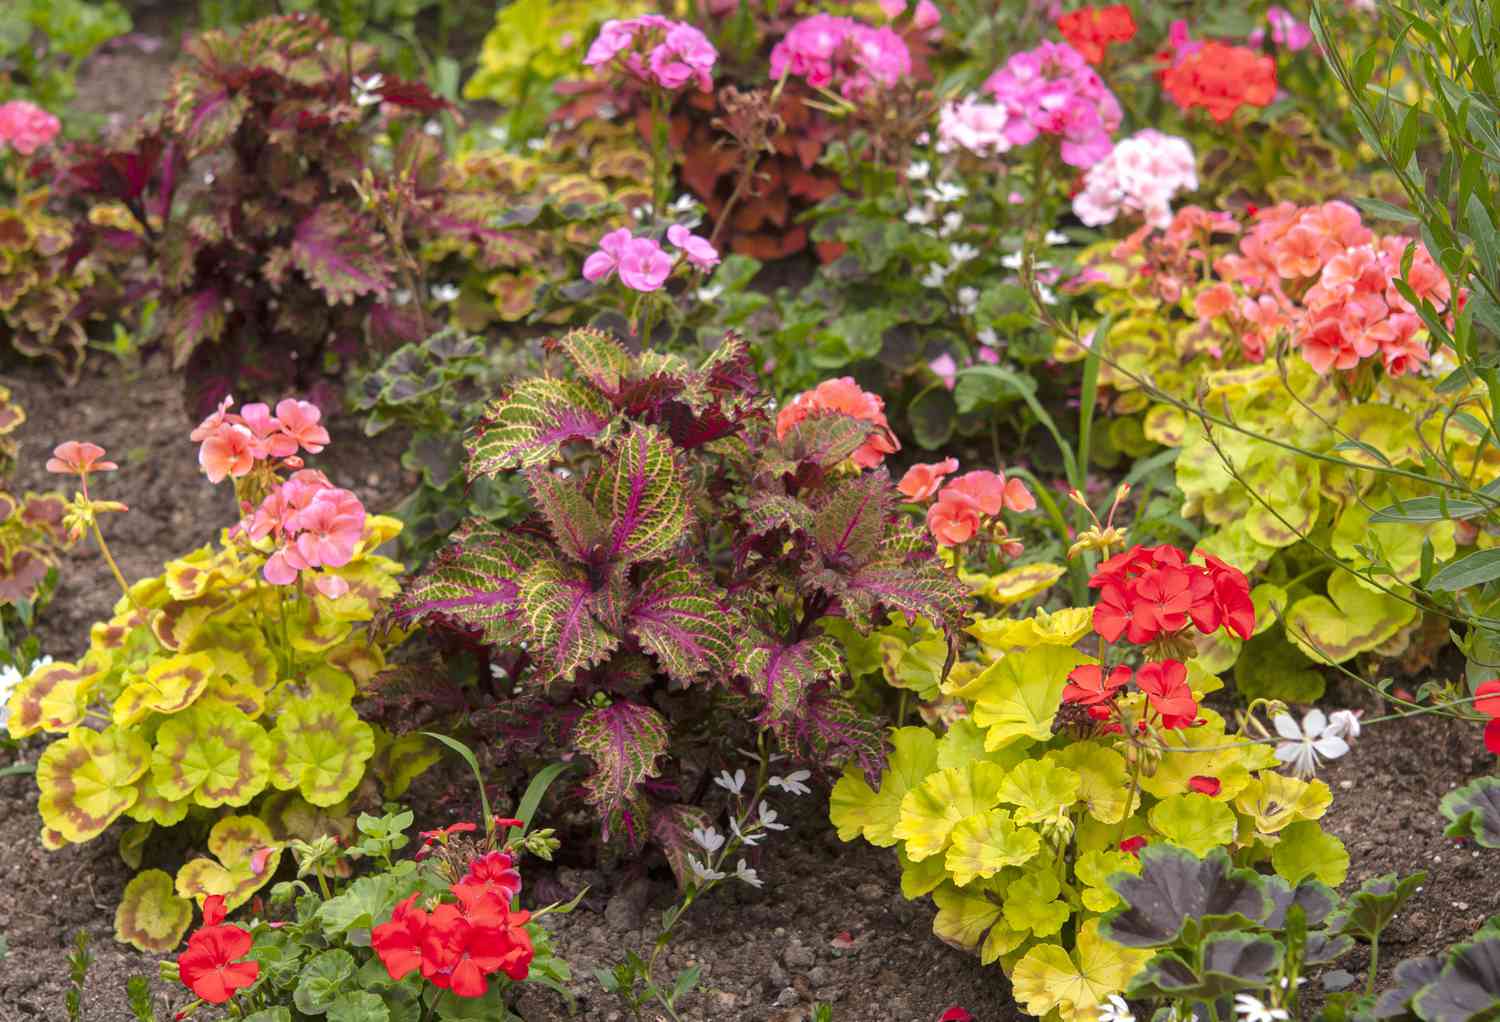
[849, 526]
[628, 824]
[411, 96]
[831, 728]
[571, 621]
[672, 829]
[530, 425]
[626, 742]
[475, 582]
[599, 359]
[341, 255]
[781, 674]
[679, 616]
[194, 319]
[823, 440]
[641, 493]
[579, 529]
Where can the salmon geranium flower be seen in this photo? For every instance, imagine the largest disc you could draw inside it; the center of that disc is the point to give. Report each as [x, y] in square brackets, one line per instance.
[922, 480]
[78, 458]
[842, 396]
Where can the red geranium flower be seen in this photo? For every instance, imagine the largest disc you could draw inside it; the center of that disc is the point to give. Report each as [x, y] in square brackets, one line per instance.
[209, 967]
[1089, 30]
[494, 872]
[1113, 612]
[1166, 688]
[1488, 697]
[1162, 599]
[1492, 736]
[399, 941]
[1089, 686]
[1132, 845]
[1221, 79]
[1209, 786]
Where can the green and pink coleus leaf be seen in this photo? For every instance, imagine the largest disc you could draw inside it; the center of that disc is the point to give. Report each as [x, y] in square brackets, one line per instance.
[530, 425]
[475, 582]
[781, 674]
[672, 829]
[212, 757]
[342, 255]
[640, 493]
[573, 619]
[680, 616]
[831, 729]
[626, 741]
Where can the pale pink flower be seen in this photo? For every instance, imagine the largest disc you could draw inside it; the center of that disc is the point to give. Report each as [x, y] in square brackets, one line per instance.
[26, 127]
[210, 425]
[946, 369]
[599, 265]
[78, 458]
[229, 452]
[329, 528]
[923, 479]
[699, 251]
[300, 421]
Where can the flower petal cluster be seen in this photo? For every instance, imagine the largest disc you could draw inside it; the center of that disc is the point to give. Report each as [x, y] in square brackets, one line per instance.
[1140, 176]
[833, 52]
[230, 444]
[1220, 79]
[1287, 32]
[211, 966]
[965, 503]
[1318, 738]
[458, 945]
[844, 397]
[1091, 30]
[78, 458]
[1051, 90]
[642, 263]
[975, 125]
[1150, 593]
[314, 525]
[26, 127]
[656, 51]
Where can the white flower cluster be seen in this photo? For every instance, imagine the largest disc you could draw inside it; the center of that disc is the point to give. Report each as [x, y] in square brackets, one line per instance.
[1140, 176]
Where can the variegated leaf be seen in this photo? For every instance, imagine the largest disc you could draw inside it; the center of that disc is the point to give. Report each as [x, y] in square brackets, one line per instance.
[563, 613]
[641, 493]
[781, 674]
[530, 425]
[475, 583]
[625, 740]
[681, 617]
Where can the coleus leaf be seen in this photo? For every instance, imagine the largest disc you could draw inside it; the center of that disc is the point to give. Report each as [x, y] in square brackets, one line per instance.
[679, 616]
[1175, 890]
[848, 528]
[625, 740]
[782, 674]
[831, 728]
[579, 529]
[822, 441]
[573, 624]
[641, 492]
[530, 425]
[475, 582]
[342, 255]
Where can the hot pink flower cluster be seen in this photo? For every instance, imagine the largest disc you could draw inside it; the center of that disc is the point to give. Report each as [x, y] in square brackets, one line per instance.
[312, 523]
[1052, 90]
[1286, 31]
[964, 503]
[26, 127]
[843, 53]
[642, 263]
[1141, 176]
[657, 51]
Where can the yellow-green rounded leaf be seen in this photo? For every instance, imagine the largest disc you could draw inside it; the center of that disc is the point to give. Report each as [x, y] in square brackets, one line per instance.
[168, 686]
[1093, 871]
[985, 843]
[1103, 780]
[1032, 904]
[320, 747]
[51, 698]
[930, 811]
[1017, 697]
[151, 917]
[855, 808]
[1016, 584]
[1305, 850]
[1194, 821]
[1350, 620]
[215, 757]
[1048, 978]
[88, 779]
[1040, 790]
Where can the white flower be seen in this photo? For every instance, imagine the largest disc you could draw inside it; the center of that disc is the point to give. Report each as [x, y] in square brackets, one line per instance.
[745, 873]
[918, 169]
[792, 782]
[1056, 238]
[919, 216]
[947, 191]
[961, 253]
[1306, 744]
[709, 839]
[989, 338]
[366, 91]
[749, 840]
[710, 293]
[951, 223]
[1344, 724]
[733, 783]
[1012, 261]
[768, 818]
[432, 129]
[684, 204]
[968, 300]
[935, 276]
[402, 297]
[1116, 1010]
[1046, 294]
[444, 292]
[1251, 1009]
[702, 872]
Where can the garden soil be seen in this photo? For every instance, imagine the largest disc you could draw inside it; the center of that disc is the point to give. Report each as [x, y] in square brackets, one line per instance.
[830, 925]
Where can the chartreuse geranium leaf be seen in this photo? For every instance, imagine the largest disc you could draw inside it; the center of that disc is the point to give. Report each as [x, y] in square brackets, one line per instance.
[968, 915]
[1350, 620]
[1176, 888]
[153, 807]
[855, 808]
[1018, 696]
[986, 843]
[930, 811]
[1048, 978]
[51, 698]
[151, 917]
[919, 878]
[1032, 903]
[399, 761]
[1473, 811]
[88, 779]
[1041, 791]
[1017, 584]
[247, 856]
[1275, 800]
[1059, 628]
[1305, 850]
[1103, 780]
[320, 747]
[1193, 821]
[215, 758]
[1205, 751]
[168, 686]
[1093, 871]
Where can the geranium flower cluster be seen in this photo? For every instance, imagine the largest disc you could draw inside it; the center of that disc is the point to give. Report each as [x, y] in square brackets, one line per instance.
[964, 504]
[1140, 176]
[843, 396]
[26, 127]
[1051, 90]
[1287, 32]
[1149, 596]
[1219, 78]
[655, 51]
[975, 125]
[457, 945]
[211, 966]
[311, 523]
[831, 52]
[1092, 30]
[642, 263]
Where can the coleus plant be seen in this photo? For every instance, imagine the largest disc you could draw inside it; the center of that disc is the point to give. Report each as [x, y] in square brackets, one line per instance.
[31, 528]
[277, 267]
[217, 700]
[684, 554]
[1052, 773]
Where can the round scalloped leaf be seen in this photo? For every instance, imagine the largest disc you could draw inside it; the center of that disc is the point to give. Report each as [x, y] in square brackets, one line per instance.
[316, 627]
[151, 917]
[1103, 780]
[234, 840]
[1273, 668]
[1194, 821]
[215, 757]
[1049, 979]
[1289, 484]
[320, 747]
[178, 623]
[855, 808]
[1017, 584]
[1093, 871]
[1032, 903]
[1399, 544]
[1059, 628]
[321, 682]
[1306, 850]
[968, 915]
[1165, 425]
[51, 698]
[930, 811]
[168, 686]
[153, 807]
[399, 761]
[1040, 790]
[986, 843]
[188, 578]
[358, 657]
[1274, 801]
[1349, 620]
[1270, 602]
[88, 779]
[1473, 811]
[133, 843]
[1017, 697]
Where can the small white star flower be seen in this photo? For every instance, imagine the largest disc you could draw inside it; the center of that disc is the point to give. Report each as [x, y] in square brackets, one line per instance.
[444, 292]
[709, 839]
[1115, 1010]
[366, 91]
[792, 782]
[1012, 261]
[1056, 238]
[745, 873]
[1250, 1008]
[733, 783]
[710, 293]
[1344, 724]
[961, 253]
[1306, 746]
[684, 204]
[702, 872]
[750, 839]
[768, 818]
[989, 338]
[918, 216]
[935, 276]
[918, 170]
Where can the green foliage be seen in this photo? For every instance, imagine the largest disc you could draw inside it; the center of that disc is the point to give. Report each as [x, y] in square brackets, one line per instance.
[1012, 818]
[31, 538]
[42, 43]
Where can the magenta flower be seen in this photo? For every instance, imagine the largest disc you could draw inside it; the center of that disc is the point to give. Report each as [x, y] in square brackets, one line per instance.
[829, 51]
[1052, 90]
[698, 250]
[26, 127]
[655, 50]
[599, 265]
[643, 265]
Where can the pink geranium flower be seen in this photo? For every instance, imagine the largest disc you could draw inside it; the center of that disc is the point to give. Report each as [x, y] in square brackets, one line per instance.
[699, 251]
[599, 265]
[300, 421]
[78, 458]
[26, 127]
[643, 265]
[922, 480]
